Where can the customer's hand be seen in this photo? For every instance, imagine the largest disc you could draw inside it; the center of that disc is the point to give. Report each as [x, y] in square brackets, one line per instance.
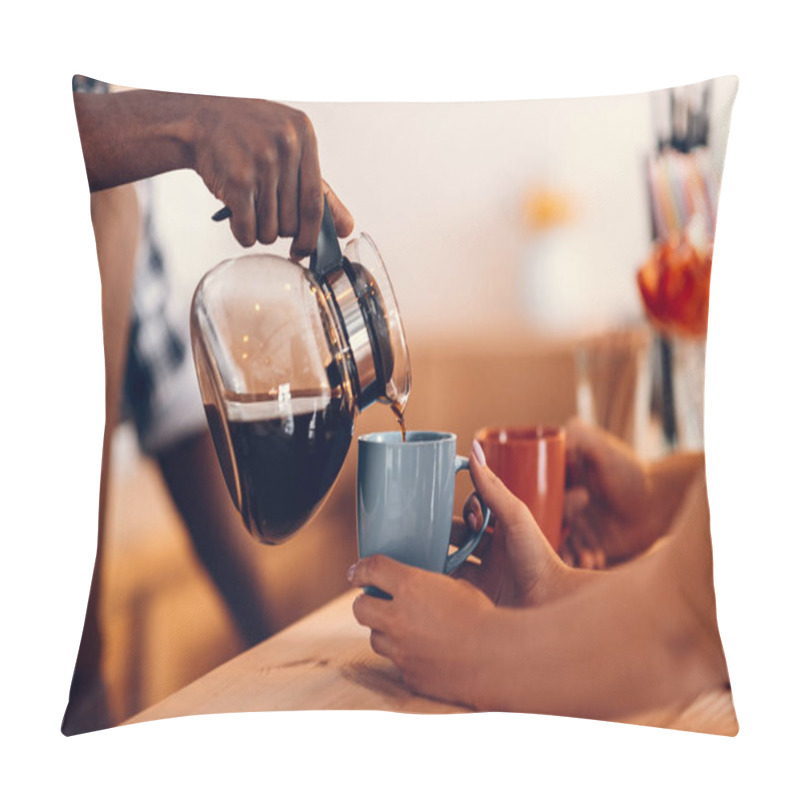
[606, 505]
[431, 628]
[441, 632]
[260, 159]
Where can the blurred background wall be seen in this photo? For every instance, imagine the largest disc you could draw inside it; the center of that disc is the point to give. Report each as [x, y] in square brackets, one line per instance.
[442, 189]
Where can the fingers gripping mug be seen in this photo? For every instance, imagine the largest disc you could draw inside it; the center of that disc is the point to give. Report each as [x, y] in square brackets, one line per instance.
[405, 499]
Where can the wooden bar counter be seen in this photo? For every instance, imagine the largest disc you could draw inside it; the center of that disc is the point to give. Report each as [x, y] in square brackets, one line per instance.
[325, 661]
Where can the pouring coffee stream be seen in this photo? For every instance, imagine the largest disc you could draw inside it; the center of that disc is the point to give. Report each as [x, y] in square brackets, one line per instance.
[401, 420]
[286, 356]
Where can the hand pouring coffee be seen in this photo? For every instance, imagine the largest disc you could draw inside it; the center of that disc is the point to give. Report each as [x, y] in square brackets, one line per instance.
[285, 358]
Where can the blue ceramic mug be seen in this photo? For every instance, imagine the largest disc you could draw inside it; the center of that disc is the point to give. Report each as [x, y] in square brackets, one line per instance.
[405, 499]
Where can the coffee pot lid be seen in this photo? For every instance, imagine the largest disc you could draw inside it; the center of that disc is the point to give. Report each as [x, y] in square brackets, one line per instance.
[367, 308]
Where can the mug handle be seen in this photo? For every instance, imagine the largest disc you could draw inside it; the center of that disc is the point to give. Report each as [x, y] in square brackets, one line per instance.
[455, 560]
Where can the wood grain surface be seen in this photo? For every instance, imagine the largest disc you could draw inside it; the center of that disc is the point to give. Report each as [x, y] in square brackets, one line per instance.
[325, 662]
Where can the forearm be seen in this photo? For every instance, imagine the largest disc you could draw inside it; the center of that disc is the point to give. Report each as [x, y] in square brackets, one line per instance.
[563, 580]
[621, 645]
[132, 135]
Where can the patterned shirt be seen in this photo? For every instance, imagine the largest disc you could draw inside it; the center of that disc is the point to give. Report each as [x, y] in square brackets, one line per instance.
[156, 349]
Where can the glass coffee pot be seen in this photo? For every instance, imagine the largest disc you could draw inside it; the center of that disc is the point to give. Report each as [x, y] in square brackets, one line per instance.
[285, 358]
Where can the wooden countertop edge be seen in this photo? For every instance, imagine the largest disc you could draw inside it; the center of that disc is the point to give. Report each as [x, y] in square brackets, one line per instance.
[371, 683]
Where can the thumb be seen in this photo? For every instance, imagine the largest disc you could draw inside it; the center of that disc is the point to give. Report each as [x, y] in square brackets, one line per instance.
[581, 437]
[506, 507]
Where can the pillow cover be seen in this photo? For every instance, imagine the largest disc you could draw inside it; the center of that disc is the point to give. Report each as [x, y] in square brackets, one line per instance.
[552, 260]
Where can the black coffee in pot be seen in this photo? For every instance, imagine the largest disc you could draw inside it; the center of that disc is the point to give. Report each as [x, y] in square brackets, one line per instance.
[286, 459]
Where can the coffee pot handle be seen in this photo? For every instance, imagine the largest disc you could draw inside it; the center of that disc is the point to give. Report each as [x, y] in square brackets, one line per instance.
[327, 256]
[455, 560]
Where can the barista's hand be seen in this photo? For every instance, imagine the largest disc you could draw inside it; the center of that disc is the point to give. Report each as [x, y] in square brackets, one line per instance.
[260, 159]
[607, 502]
[518, 567]
[431, 628]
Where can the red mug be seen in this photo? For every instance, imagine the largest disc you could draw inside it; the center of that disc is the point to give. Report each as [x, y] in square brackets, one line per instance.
[531, 462]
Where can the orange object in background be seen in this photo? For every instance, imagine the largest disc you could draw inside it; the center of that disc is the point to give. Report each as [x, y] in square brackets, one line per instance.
[548, 208]
[674, 284]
